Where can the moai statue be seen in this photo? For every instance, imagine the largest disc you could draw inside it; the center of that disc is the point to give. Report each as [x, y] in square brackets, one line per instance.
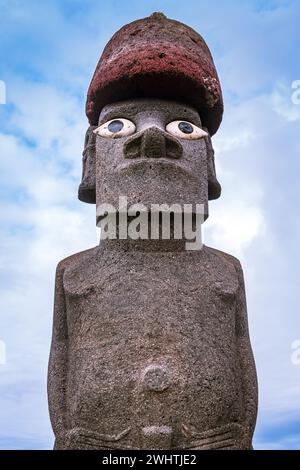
[150, 345]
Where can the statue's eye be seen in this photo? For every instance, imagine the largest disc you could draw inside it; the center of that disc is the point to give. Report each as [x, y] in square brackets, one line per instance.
[185, 130]
[114, 128]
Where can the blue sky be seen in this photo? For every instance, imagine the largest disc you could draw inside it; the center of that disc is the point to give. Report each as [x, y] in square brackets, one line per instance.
[48, 52]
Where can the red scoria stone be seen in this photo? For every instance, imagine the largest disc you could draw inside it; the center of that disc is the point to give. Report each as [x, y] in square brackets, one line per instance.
[156, 57]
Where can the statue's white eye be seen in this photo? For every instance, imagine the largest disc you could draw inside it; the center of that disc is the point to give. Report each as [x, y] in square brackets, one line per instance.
[114, 128]
[185, 130]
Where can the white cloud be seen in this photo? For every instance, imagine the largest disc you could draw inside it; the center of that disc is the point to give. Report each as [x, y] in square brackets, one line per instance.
[283, 104]
[52, 120]
[234, 226]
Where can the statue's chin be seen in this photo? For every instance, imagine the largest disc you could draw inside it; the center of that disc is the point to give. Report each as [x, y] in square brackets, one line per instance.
[150, 182]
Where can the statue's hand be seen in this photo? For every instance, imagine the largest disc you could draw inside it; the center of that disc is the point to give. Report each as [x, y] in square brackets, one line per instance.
[80, 438]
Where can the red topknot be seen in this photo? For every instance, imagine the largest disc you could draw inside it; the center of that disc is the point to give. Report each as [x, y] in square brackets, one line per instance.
[156, 57]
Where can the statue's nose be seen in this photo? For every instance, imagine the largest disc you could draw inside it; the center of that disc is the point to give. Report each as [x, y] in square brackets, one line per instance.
[152, 142]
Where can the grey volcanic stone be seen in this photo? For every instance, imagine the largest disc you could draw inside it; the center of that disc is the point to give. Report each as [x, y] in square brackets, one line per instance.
[129, 165]
[150, 345]
[147, 339]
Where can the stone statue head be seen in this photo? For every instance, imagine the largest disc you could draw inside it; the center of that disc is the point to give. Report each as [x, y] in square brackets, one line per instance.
[153, 104]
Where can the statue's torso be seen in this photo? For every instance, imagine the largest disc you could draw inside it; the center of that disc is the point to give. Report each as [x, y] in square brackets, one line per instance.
[152, 343]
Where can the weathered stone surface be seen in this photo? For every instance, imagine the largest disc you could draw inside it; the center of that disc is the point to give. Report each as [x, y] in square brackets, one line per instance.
[151, 166]
[154, 338]
[122, 173]
[150, 346]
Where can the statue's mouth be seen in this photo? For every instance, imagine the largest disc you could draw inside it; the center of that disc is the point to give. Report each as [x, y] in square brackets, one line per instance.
[154, 164]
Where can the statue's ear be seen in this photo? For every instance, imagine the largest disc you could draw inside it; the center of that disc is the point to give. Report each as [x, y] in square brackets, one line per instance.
[214, 187]
[87, 187]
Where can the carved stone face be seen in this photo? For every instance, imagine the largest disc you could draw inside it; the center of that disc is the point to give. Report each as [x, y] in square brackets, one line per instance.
[153, 152]
[152, 161]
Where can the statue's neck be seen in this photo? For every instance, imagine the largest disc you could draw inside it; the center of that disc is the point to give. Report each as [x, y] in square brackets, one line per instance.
[144, 245]
[171, 244]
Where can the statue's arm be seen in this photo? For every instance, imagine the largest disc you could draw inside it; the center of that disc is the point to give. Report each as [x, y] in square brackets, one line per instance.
[246, 362]
[58, 363]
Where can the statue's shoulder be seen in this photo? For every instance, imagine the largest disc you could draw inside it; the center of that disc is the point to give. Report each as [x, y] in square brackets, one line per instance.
[222, 257]
[72, 262]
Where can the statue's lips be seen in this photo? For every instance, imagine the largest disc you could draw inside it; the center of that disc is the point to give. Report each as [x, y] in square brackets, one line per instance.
[154, 164]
